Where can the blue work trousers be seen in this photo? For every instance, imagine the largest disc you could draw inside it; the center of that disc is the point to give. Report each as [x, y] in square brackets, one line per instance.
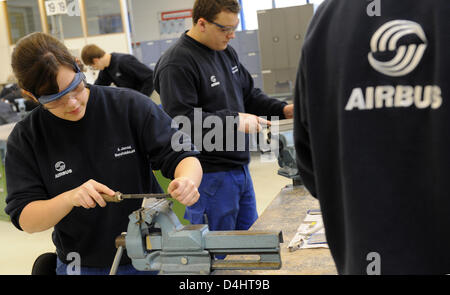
[227, 199]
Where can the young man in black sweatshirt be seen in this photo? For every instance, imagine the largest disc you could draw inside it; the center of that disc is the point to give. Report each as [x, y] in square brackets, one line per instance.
[371, 133]
[124, 70]
[201, 74]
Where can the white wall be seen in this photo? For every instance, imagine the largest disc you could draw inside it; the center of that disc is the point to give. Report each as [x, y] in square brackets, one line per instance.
[5, 51]
[145, 16]
[146, 26]
[109, 43]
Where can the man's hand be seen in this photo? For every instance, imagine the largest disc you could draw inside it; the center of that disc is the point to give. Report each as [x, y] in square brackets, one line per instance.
[184, 190]
[249, 123]
[88, 195]
[288, 111]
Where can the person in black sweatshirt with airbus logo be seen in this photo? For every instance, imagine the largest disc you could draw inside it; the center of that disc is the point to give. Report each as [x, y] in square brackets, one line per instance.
[201, 74]
[372, 133]
[124, 70]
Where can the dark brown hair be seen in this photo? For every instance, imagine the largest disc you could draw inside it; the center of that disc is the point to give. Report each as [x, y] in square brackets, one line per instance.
[90, 52]
[209, 9]
[36, 60]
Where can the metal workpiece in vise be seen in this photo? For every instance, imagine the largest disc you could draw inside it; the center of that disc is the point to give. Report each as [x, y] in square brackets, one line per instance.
[283, 133]
[156, 241]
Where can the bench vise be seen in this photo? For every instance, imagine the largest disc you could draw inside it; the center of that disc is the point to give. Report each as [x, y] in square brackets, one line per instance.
[283, 133]
[156, 241]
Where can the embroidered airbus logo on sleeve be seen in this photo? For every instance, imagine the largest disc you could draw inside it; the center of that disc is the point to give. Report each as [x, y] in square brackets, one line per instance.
[406, 57]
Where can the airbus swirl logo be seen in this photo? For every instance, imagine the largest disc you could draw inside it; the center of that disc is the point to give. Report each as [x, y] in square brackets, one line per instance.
[214, 81]
[407, 57]
[60, 166]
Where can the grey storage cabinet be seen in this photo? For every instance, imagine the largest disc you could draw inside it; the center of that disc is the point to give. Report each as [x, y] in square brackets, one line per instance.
[281, 34]
[247, 47]
[245, 44]
[248, 41]
[151, 51]
[273, 39]
[251, 62]
[235, 44]
[166, 44]
[257, 80]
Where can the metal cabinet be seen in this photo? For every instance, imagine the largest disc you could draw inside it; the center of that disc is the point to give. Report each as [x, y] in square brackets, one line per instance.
[251, 62]
[235, 44]
[281, 34]
[245, 44]
[279, 81]
[297, 21]
[257, 81]
[247, 47]
[151, 51]
[166, 44]
[273, 39]
[248, 41]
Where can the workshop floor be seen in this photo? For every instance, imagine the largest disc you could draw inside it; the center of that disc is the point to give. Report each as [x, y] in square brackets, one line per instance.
[19, 249]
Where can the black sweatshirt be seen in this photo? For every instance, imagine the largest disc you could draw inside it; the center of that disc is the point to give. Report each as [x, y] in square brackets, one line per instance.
[121, 138]
[126, 71]
[372, 133]
[191, 75]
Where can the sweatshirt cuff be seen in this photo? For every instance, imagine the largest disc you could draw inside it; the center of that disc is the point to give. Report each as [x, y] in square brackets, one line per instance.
[280, 112]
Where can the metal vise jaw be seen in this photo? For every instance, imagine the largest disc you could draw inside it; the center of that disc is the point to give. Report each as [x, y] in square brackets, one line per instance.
[282, 133]
[156, 240]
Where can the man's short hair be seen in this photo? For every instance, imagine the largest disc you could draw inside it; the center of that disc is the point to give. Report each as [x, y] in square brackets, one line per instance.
[209, 9]
[90, 52]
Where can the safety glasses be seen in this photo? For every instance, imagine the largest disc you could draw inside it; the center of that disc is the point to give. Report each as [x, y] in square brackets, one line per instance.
[225, 29]
[74, 89]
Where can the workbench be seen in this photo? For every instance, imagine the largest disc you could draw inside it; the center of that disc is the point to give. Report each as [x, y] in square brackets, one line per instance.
[286, 212]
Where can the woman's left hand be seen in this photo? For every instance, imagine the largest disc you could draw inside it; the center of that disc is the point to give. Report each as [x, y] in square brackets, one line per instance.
[184, 190]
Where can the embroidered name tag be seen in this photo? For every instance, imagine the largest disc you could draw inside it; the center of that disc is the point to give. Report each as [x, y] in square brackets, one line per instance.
[123, 151]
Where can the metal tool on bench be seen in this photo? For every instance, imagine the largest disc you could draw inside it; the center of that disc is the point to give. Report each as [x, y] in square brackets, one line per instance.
[301, 237]
[156, 240]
